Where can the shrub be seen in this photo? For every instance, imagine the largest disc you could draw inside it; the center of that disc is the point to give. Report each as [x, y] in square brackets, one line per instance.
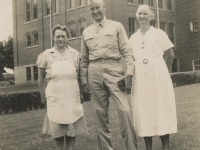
[20, 101]
[185, 78]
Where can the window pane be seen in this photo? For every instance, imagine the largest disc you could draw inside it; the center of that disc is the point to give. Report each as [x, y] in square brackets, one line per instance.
[131, 26]
[82, 26]
[72, 29]
[35, 38]
[35, 9]
[28, 12]
[140, 1]
[151, 3]
[28, 40]
[55, 7]
[47, 7]
[35, 69]
[28, 73]
[160, 3]
[71, 4]
[169, 4]
[171, 32]
[162, 26]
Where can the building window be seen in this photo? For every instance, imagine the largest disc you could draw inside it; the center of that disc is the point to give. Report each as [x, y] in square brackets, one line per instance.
[151, 3]
[71, 4]
[28, 40]
[140, 2]
[153, 23]
[196, 64]
[72, 29]
[55, 6]
[130, 1]
[160, 3]
[47, 7]
[132, 28]
[82, 26]
[162, 26]
[175, 65]
[172, 32]
[35, 72]
[28, 10]
[80, 3]
[35, 38]
[28, 73]
[169, 4]
[194, 27]
[35, 9]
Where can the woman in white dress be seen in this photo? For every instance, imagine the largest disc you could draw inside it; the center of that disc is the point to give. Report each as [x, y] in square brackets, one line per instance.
[153, 100]
[60, 67]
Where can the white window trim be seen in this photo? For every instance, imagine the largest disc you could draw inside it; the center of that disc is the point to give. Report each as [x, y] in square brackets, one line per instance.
[191, 26]
[193, 66]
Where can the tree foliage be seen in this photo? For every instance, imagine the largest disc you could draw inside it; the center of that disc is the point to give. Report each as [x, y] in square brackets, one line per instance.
[6, 55]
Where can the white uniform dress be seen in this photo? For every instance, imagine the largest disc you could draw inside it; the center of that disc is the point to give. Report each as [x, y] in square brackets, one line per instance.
[62, 93]
[153, 99]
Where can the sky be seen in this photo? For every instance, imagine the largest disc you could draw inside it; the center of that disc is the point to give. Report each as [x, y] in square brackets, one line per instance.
[6, 19]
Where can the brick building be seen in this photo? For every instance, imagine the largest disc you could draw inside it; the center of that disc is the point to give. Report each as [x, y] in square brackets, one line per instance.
[32, 26]
[188, 34]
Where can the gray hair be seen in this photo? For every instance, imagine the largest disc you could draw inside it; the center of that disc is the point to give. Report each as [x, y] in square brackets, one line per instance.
[147, 8]
[59, 27]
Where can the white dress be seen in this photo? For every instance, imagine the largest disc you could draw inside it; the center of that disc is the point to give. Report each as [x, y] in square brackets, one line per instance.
[153, 99]
[62, 93]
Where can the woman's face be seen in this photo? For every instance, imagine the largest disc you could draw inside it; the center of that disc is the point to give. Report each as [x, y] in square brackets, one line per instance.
[60, 39]
[144, 16]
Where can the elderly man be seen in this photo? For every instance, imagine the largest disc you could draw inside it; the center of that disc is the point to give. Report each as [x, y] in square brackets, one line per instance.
[103, 45]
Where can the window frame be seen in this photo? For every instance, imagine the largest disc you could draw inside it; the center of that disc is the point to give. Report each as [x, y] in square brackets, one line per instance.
[28, 40]
[71, 4]
[81, 21]
[164, 24]
[72, 23]
[160, 4]
[193, 64]
[129, 26]
[170, 5]
[34, 40]
[47, 9]
[28, 11]
[151, 3]
[55, 7]
[35, 73]
[35, 10]
[192, 26]
[28, 74]
[172, 35]
[140, 2]
[80, 4]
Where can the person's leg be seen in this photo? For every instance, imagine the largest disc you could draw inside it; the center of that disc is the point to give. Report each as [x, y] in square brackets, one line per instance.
[59, 142]
[70, 142]
[113, 73]
[100, 100]
[148, 143]
[165, 141]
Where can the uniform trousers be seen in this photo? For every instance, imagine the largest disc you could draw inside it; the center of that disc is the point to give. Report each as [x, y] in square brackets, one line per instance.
[103, 76]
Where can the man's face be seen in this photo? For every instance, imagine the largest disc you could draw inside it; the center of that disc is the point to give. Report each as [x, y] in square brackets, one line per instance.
[60, 39]
[97, 12]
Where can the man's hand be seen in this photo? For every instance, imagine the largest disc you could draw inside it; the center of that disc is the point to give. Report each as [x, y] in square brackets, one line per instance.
[85, 89]
[128, 83]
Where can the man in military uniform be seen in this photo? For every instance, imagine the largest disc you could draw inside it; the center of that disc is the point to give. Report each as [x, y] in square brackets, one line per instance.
[103, 45]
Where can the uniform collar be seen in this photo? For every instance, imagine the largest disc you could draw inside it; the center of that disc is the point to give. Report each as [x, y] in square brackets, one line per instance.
[102, 22]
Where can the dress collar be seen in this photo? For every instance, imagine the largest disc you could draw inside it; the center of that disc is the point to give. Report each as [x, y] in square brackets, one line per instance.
[56, 54]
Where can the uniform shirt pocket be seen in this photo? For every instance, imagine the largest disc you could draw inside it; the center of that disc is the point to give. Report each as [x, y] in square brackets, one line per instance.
[90, 42]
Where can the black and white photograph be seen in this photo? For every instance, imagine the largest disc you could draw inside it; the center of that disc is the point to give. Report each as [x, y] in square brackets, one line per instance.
[99, 75]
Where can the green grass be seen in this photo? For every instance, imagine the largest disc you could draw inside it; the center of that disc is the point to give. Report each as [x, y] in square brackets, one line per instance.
[22, 131]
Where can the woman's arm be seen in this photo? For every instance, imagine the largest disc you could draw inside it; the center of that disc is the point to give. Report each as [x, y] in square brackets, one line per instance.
[169, 56]
[41, 84]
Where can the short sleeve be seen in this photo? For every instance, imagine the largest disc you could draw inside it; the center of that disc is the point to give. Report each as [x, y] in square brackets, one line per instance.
[165, 41]
[41, 60]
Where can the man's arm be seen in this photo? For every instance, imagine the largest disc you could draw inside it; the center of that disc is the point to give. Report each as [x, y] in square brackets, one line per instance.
[125, 50]
[169, 56]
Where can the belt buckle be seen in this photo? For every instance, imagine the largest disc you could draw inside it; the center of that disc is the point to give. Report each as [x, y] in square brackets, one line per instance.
[145, 61]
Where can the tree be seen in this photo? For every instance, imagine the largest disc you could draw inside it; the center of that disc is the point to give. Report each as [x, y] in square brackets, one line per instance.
[6, 55]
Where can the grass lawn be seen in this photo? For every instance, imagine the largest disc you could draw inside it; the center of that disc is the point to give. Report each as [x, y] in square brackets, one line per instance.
[22, 131]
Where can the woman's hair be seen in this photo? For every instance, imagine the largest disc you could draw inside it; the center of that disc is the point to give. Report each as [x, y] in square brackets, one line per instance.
[59, 27]
[147, 8]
